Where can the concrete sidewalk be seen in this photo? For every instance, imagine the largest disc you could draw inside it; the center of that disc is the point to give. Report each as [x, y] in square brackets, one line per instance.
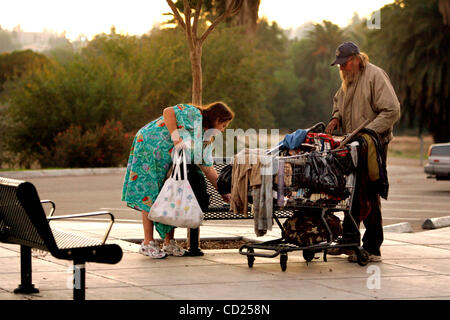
[415, 266]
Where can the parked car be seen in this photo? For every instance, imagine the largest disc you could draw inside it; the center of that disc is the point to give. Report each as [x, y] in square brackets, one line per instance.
[438, 165]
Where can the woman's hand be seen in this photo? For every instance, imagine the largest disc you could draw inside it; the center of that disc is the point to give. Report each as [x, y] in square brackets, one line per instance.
[180, 144]
[212, 176]
[226, 197]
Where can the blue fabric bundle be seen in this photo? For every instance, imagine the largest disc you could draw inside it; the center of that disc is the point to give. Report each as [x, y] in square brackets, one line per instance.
[293, 140]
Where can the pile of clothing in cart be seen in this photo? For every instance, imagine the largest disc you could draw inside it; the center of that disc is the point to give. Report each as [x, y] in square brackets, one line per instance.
[254, 175]
[257, 176]
[321, 167]
[316, 173]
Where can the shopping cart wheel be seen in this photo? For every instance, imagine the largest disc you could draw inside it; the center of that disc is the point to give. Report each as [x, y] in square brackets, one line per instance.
[250, 258]
[283, 261]
[362, 256]
[308, 255]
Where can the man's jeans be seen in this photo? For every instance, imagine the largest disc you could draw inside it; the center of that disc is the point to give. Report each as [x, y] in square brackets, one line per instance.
[373, 236]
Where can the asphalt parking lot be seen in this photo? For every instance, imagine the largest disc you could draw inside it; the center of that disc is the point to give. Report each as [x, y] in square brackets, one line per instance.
[412, 197]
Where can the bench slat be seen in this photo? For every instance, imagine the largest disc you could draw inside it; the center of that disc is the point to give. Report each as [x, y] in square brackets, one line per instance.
[67, 240]
[15, 224]
[220, 210]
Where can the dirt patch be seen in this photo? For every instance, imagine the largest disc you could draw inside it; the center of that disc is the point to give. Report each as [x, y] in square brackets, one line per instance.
[204, 244]
[216, 244]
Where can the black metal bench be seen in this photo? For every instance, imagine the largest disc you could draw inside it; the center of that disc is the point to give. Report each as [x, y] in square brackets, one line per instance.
[220, 210]
[23, 222]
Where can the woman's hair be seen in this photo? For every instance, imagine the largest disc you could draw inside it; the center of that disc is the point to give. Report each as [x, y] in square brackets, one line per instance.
[212, 113]
[215, 112]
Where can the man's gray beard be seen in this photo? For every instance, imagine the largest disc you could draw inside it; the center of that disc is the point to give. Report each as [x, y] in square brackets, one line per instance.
[347, 77]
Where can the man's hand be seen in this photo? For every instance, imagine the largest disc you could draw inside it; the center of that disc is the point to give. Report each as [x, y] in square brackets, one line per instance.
[332, 125]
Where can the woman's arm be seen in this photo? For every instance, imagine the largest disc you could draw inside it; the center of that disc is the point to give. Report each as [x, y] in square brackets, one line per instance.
[171, 123]
[212, 176]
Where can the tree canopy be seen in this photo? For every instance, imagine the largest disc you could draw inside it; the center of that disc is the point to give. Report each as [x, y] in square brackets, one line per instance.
[417, 61]
[72, 99]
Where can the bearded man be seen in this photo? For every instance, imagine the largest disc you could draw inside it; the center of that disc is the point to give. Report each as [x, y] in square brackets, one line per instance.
[366, 93]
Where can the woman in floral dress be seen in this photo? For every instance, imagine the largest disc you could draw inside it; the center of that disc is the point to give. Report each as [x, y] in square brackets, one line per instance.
[180, 127]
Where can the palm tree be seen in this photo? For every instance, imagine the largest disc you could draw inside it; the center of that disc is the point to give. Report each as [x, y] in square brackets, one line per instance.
[318, 81]
[412, 46]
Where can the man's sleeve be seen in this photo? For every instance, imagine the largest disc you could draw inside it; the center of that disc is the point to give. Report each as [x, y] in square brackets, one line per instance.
[335, 113]
[385, 103]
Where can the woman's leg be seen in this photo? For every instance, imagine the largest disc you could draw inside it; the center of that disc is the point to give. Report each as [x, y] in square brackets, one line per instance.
[169, 236]
[148, 228]
[171, 248]
[150, 250]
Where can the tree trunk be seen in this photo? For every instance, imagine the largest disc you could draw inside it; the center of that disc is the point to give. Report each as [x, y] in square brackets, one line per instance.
[248, 15]
[444, 9]
[196, 65]
[195, 43]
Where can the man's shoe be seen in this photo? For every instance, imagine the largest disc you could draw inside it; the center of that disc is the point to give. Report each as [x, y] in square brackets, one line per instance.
[372, 258]
[339, 251]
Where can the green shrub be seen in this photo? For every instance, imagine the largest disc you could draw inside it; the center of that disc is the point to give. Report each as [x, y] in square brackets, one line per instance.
[106, 146]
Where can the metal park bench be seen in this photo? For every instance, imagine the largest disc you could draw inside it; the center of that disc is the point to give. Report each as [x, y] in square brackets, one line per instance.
[220, 210]
[23, 222]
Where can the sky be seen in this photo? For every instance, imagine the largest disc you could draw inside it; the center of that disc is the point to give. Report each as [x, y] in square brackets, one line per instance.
[134, 17]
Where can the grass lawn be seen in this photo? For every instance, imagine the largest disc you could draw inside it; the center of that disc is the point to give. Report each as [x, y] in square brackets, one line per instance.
[409, 147]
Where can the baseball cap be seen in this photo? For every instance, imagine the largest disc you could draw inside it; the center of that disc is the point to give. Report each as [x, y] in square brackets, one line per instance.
[345, 51]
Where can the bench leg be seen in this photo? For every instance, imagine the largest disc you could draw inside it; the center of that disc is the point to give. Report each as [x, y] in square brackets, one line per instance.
[193, 239]
[25, 272]
[79, 281]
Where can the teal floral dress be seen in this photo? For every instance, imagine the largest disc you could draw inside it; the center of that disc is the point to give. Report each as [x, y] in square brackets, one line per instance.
[151, 157]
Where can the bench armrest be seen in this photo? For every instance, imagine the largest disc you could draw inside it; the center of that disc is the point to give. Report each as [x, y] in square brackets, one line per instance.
[53, 206]
[90, 214]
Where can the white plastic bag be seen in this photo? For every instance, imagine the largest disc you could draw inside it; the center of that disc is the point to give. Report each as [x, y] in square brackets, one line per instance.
[176, 204]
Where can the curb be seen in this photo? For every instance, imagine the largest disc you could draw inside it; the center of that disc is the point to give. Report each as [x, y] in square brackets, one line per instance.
[403, 227]
[435, 223]
[60, 172]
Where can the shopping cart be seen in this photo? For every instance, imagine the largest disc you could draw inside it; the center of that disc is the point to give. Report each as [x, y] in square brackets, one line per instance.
[297, 195]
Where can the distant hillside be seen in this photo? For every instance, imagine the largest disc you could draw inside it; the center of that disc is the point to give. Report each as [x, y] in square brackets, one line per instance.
[299, 32]
[18, 39]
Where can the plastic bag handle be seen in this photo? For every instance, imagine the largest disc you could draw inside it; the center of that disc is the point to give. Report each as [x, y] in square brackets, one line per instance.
[178, 158]
[184, 165]
[175, 166]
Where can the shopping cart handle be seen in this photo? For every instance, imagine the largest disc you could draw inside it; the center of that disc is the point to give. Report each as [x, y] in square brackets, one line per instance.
[348, 138]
